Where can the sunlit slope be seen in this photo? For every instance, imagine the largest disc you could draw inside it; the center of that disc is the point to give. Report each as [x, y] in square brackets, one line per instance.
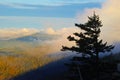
[20, 55]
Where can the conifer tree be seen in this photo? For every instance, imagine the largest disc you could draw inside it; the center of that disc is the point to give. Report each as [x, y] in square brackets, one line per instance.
[88, 45]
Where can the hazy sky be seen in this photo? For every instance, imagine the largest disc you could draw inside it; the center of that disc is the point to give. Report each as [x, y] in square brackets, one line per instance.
[43, 13]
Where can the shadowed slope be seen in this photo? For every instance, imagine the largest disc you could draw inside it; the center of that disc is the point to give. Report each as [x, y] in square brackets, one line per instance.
[53, 71]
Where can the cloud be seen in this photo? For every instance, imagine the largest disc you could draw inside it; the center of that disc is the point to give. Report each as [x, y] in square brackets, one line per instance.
[50, 31]
[9, 33]
[63, 33]
[110, 13]
[67, 2]
[19, 6]
[53, 45]
[110, 16]
[51, 3]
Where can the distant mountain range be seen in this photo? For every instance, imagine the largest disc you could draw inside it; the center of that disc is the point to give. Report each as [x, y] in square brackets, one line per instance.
[37, 37]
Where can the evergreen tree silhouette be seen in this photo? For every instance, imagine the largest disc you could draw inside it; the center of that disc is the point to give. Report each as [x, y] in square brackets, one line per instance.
[88, 43]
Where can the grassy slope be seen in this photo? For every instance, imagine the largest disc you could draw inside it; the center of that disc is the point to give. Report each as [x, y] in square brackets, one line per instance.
[19, 57]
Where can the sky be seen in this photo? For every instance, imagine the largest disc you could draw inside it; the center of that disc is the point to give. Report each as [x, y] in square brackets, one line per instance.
[42, 13]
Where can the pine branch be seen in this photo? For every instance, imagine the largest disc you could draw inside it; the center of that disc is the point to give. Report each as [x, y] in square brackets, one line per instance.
[81, 35]
[84, 27]
[70, 38]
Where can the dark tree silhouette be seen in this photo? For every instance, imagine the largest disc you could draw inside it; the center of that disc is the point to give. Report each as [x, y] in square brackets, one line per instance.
[88, 43]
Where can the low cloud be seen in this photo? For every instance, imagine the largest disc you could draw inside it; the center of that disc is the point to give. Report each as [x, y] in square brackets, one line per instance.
[14, 32]
[8, 33]
[53, 45]
[50, 31]
[62, 39]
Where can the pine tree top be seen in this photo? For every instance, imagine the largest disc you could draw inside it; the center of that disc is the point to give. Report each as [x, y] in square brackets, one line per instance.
[88, 42]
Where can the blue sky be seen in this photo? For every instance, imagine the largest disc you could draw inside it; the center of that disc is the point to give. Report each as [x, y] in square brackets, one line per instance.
[30, 13]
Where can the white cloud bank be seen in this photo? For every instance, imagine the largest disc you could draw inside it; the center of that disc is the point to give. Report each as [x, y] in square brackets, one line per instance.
[8, 33]
[14, 32]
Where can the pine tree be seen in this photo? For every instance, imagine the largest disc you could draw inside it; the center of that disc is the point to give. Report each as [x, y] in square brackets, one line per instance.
[87, 42]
